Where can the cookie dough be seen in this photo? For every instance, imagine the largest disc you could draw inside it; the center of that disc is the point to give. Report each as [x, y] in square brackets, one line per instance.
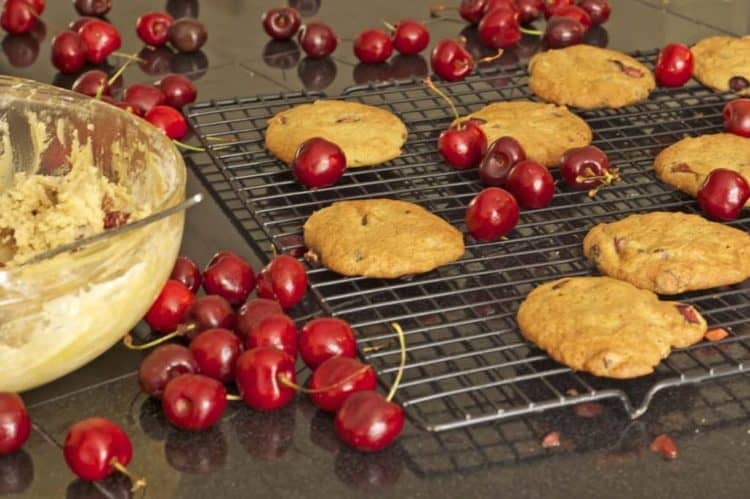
[719, 59]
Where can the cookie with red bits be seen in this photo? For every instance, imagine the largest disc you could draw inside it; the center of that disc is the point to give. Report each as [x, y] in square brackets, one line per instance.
[721, 62]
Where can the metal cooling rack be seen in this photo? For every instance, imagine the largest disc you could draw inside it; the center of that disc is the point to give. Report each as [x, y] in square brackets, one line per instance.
[467, 362]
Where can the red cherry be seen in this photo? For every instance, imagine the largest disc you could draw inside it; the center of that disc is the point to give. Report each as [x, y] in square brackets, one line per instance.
[501, 155]
[373, 46]
[68, 52]
[462, 145]
[572, 12]
[170, 307]
[598, 10]
[153, 28]
[326, 337]
[178, 90]
[187, 35]
[550, 5]
[76, 24]
[737, 117]
[187, 272]
[163, 364]
[281, 23]
[15, 425]
[258, 378]
[318, 163]
[230, 276]
[563, 32]
[723, 194]
[92, 7]
[585, 168]
[501, 4]
[254, 311]
[37, 5]
[284, 279]
[410, 37]
[317, 40]
[531, 184]
[450, 61]
[492, 214]
[275, 330]
[209, 312]
[472, 10]
[500, 29]
[674, 66]
[93, 446]
[100, 38]
[92, 83]
[194, 402]
[18, 17]
[143, 97]
[344, 376]
[168, 120]
[216, 351]
[367, 422]
[530, 10]
[124, 106]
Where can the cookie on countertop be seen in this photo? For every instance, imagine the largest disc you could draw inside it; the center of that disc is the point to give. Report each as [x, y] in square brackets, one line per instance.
[589, 77]
[687, 163]
[723, 63]
[382, 238]
[368, 135]
[545, 131]
[606, 327]
[670, 253]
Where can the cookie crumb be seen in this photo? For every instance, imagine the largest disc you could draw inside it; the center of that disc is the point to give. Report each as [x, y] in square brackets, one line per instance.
[664, 445]
[717, 334]
[551, 439]
[689, 313]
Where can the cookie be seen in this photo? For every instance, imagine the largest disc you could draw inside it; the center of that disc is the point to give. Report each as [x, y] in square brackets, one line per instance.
[685, 164]
[589, 77]
[723, 63]
[606, 327]
[545, 131]
[670, 253]
[368, 135]
[382, 238]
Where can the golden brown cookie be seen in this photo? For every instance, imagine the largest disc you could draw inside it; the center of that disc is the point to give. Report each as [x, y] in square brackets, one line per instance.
[382, 238]
[545, 131]
[670, 253]
[685, 164]
[368, 135]
[719, 59]
[589, 77]
[606, 327]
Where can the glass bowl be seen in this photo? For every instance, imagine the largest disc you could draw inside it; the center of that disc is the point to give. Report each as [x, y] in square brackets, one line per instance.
[60, 313]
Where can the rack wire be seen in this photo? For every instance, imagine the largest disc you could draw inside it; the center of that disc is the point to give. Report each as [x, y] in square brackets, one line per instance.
[467, 362]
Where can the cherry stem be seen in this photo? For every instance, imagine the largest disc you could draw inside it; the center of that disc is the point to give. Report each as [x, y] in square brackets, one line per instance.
[535, 32]
[374, 348]
[428, 81]
[231, 396]
[438, 9]
[128, 339]
[389, 26]
[291, 384]
[400, 373]
[123, 55]
[138, 482]
[491, 58]
[188, 147]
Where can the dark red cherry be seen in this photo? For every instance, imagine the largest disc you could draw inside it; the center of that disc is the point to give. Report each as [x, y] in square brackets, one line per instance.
[163, 364]
[92, 83]
[723, 194]
[563, 32]
[336, 379]
[284, 279]
[178, 90]
[76, 24]
[100, 38]
[18, 17]
[143, 97]
[253, 311]
[450, 61]
[68, 52]
[530, 10]
[501, 155]
[281, 23]
[170, 308]
[463, 145]
[275, 330]
[492, 214]
[326, 337]
[373, 46]
[230, 276]
[472, 10]
[209, 312]
[500, 29]
[410, 37]
[572, 12]
[531, 184]
[194, 402]
[168, 120]
[37, 5]
[674, 66]
[586, 168]
[153, 28]
[187, 34]
[317, 40]
[368, 422]
[550, 5]
[737, 117]
[97, 8]
[738, 83]
[15, 425]
[216, 352]
[260, 377]
[94, 447]
[598, 10]
[187, 272]
[318, 163]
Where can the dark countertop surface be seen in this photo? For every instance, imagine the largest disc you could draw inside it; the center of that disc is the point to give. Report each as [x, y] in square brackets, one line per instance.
[294, 452]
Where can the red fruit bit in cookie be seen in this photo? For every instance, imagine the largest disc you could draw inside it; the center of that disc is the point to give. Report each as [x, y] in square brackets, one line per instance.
[689, 313]
[682, 168]
[717, 334]
[114, 219]
[665, 446]
[619, 244]
[561, 284]
[551, 439]
[628, 70]
[738, 83]
[589, 409]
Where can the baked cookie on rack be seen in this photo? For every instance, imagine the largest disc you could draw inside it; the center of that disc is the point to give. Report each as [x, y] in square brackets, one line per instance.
[545, 131]
[605, 326]
[685, 164]
[382, 238]
[368, 135]
[589, 77]
[670, 253]
[723, 63]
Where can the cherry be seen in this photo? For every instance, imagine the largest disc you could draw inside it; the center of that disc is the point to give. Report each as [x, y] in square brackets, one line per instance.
[326, 337]
[472, 10]
[572, 12]
[143, 97]
[263, 377]
[163, 364]
[97, 8]
[187, 272]
[500, 29]
[550, 5]
[178, 90]
[501, 4]
[68, 52]
[216, 351]
[15, 425]
[463, 144]
[230, 276]
[153, 28]
[254, 311]
[187, 34]
[531, 184]
[501, 155]
[92, 83]
[723, 194]
[737, 117]
[530, 10]
[275, 330]
[337, 378]
[194, 402]
[209, 312]
[170, 307]
[96, 447]
[100, 38]
[317, 40]
[563, 32]
[37, 5]
[168, 120]
[586, 168]
[281, 23]
[76, 24]
[318, 163]
[368, 422]
[21, 50]
[124, 106]
[674, 66]
[284, 279]
[18, 17]
[410, 37]
[598, 10]
[450, 61]
[492, 214]
[373, 46]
